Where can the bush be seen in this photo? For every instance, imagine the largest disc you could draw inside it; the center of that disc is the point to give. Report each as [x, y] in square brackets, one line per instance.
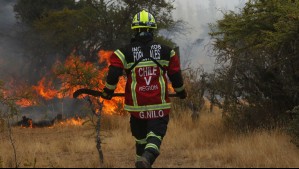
[195, 85]
[293, 128]
[2, 125]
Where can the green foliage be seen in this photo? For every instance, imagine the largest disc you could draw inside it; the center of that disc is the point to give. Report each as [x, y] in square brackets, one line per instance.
[64, 29]
[8, 104]
[89, 25]
[257, 72]
[28, 11]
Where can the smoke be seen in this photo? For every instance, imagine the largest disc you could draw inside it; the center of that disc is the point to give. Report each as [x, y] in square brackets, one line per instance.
[16, 67]
[6, 16]
[67, 107]
[195, 48]
[13, 64]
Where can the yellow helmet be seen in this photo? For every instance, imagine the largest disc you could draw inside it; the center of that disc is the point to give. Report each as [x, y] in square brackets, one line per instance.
[144, 19]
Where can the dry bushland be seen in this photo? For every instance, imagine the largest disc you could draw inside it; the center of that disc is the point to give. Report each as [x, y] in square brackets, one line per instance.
[201, 143]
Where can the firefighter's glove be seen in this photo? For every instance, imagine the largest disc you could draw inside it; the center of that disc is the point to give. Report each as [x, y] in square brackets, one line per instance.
[182, 94]
[107, 94]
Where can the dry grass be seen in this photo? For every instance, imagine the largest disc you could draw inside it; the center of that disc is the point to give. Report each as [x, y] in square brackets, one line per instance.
[203, 143]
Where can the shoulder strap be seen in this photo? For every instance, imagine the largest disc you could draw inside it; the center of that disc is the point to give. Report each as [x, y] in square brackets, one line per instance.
[146, 55]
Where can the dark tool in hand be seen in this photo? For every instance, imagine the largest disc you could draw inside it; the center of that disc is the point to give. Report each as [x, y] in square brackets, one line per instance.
[96, 93]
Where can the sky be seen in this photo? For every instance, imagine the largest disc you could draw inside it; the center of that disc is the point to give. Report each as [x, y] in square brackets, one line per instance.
[199, 14]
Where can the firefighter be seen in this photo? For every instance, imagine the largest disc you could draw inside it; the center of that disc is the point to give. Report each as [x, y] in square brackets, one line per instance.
[147, 65]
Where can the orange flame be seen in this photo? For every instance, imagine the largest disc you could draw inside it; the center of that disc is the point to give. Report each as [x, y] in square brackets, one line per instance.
[47, 91]
[25, 102]
[76, 121]
[116, 103]
[30, 124]
[86, 74]
[104, 56]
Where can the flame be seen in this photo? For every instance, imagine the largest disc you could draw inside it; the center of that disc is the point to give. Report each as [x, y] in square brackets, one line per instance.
[117, 103]
[25, 102]
[76, 121]
[170, 88]
[104, 56]
[85, 74]
[18, 91]
[30, 124]
[47, 91]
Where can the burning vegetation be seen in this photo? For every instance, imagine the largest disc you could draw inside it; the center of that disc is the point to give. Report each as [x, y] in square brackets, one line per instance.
[57, 121]
[72, 74]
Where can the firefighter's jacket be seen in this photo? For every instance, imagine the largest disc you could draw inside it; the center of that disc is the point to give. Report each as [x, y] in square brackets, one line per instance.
[147, 65]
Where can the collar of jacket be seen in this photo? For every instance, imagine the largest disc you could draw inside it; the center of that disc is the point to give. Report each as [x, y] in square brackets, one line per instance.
[143, 37]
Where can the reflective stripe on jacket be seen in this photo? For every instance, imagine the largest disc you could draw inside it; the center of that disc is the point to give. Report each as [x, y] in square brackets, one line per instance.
[146, 91]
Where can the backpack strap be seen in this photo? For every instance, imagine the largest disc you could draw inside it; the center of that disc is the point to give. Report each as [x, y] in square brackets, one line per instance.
[146, 55]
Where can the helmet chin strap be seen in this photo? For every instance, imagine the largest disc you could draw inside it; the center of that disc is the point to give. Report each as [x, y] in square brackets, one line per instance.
[144, 32]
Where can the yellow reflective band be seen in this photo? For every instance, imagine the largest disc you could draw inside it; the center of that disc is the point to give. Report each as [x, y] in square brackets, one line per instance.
[144, 16]
[151, 145]
[111, 87]
[121, 56]
[149, 63]
[133, 87]
[142, 141]
[152, 134]
[162, 84]
[147, 107]
[179, 89]
[172, 53]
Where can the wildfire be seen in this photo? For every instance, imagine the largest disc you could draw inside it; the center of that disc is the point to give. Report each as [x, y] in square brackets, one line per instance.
[104, 56]
[28, 123]
[76, 121]
[18, 91]
[25, 102]
[75, 74]
[46, 90]
[116, 103]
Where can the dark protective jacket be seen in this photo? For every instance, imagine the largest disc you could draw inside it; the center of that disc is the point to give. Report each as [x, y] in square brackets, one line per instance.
[147, 65]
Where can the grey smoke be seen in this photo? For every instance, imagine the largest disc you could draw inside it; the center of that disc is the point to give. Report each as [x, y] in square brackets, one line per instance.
[196, 46]
[13, 64]
[7, 18]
